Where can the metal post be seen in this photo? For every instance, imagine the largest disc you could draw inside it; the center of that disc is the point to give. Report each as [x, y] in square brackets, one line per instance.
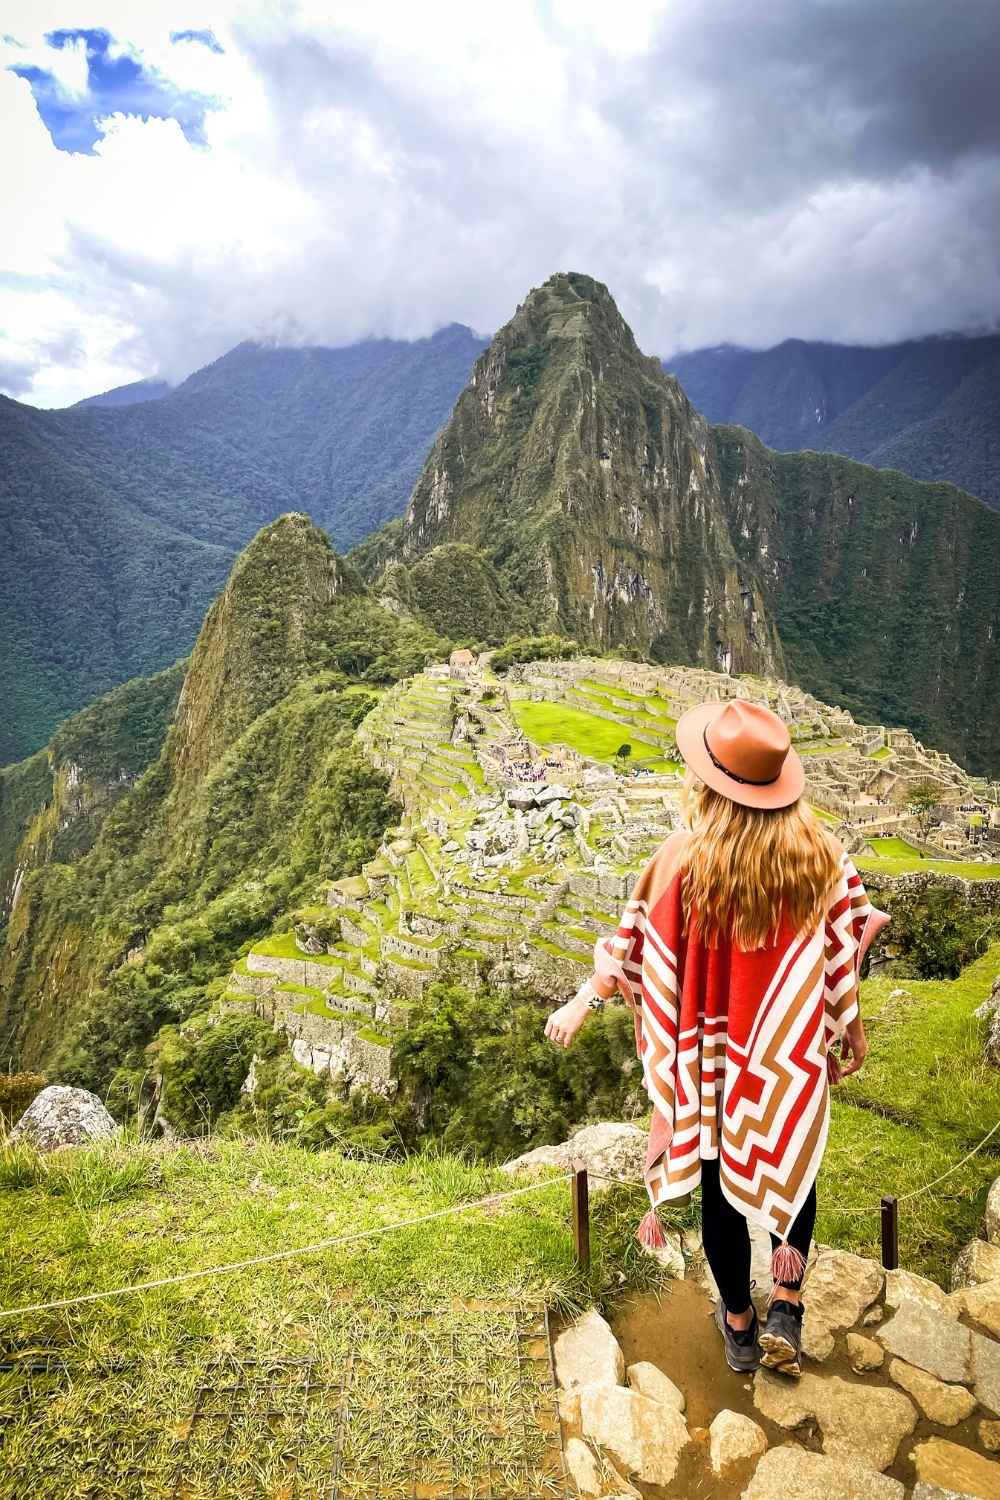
[890, 1232]
[581, 1215]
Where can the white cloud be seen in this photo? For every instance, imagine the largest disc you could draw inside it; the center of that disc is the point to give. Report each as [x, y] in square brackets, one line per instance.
[384, 168]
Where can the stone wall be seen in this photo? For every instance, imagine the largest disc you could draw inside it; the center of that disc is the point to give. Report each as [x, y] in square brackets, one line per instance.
[976, 895]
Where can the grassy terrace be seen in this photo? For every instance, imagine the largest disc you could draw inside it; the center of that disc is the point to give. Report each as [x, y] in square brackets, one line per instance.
[103, 1217]
[894, 856]
[924, 1098]
[556, 724]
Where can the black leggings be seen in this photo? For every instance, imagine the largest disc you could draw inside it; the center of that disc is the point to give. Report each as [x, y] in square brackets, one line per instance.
[727, 1239]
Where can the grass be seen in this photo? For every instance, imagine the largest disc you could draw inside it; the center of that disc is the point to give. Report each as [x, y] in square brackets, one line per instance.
[883, 754]
[283, 945]
[894, 856]
[112, 1216]
[924, 1098]
[555, 724]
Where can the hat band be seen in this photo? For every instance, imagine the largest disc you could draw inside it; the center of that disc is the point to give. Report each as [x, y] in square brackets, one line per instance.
[743, 780]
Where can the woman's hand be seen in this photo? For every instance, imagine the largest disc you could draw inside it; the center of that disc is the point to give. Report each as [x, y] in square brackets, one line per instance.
[853, 1051]
[564, 1023]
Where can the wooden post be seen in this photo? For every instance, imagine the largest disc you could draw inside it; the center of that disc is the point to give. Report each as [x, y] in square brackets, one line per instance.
[890, 1232]
[581, 1215]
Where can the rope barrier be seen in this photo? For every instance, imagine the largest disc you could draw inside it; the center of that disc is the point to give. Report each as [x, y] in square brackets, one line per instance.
[276, 1255]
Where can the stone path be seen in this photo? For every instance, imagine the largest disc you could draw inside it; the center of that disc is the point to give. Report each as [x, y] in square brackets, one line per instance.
[899, 1399]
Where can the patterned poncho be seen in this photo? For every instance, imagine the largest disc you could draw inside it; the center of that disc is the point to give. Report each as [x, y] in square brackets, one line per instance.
[734, 1044]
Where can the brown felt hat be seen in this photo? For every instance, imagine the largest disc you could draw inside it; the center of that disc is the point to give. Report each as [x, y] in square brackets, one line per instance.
[743, 751]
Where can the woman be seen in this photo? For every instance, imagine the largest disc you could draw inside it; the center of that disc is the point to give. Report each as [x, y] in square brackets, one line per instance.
[739, 952]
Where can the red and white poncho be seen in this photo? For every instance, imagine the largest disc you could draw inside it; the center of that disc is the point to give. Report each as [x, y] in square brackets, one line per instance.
[734, 1044]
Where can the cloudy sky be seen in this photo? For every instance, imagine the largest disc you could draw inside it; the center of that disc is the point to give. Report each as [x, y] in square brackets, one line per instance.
[176, 177]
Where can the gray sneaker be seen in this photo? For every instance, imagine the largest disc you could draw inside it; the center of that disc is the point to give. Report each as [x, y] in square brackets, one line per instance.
[781, 1340]
[742, 1352]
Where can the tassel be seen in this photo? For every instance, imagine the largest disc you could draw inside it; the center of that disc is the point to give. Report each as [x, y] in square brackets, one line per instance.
[787, 1264]
[650, 1232]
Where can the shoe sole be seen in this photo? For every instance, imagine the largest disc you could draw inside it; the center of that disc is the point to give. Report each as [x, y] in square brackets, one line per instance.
[778, 1353]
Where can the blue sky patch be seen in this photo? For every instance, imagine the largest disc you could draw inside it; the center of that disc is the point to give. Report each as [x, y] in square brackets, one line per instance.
[115, 85]
[207, 38]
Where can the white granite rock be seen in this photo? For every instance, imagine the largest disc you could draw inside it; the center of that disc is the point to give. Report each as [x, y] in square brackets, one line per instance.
[61, 1116]
[865, 1421]
[939, 1402]
[611, 1146]
[930, 1339]
[587, 1352]
[936, 1461]
[978, 1262]
[584, 1468]
[649, 1380]
[790, 1473]
[992, 1222]
[734, 1440]
[980, 1303]
[863, 1354]
[986, 1372]
[903, 1286]
[841, 1286]
[646, 1436]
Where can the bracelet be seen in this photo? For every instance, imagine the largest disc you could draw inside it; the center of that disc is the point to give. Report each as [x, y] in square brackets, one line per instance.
[591, 999]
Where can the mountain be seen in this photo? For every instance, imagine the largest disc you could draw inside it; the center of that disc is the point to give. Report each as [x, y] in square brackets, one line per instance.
[930, 407]
[600, 504]
[128, 395]
[120, 523]
[586, 476]
[178, 816]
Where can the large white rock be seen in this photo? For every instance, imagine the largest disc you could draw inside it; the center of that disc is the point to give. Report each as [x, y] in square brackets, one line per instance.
[790, 1473]
[986, 1372]
[840, 1287]
[645, 1435]
[584, 1468]
[864, 1421]
[649, 1380]
[61, 1116]
[932, 1340]
[612, 1146]
[980, 1303]
[939, 1402]
[587, 1352]
[992, 1224]
[952, 1467]
[863, 1354]
[906, 1286]
[734, 1440]
[978, 1262]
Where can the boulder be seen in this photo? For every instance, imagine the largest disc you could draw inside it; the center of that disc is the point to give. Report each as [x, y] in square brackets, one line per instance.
[790, 1473]
[980, 1303]
[956, 1469]
[863, 1354]
[734, 1440]
[986, 1372]
[61, 1116]
[611, 1146]
[584, 1468]
[551, 792]
[978, 1262]
[992, 1222]
[646, 1436]
[587, 1352]
[941, 1403]
[989, 1434]
[862, 1421]
[649, 1380]
[906, 1286]
[932, 1340]
[841, 1286]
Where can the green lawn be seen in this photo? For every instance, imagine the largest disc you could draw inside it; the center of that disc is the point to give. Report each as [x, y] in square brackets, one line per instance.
[884, 754]
[114, 1216]
[556, 724]
[894, 856]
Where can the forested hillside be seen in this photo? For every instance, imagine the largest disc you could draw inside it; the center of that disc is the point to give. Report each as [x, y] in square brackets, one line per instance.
[120, 522]
[930, 407]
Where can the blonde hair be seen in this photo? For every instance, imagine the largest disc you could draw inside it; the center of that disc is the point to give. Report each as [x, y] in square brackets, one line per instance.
[745, 868]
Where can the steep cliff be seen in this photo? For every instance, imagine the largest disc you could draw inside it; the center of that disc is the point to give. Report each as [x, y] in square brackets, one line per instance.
[583, 473]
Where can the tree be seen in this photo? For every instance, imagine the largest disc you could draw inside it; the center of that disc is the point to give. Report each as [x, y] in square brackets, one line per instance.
[923, 798]
[623, 752]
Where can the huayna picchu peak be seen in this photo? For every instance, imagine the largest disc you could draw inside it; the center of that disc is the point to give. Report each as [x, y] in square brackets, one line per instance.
[588, 494]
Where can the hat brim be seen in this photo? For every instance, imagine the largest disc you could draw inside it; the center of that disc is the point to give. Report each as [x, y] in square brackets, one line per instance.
[690, 736]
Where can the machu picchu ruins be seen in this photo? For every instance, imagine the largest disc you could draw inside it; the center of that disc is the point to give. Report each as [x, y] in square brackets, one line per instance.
[516, 850]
